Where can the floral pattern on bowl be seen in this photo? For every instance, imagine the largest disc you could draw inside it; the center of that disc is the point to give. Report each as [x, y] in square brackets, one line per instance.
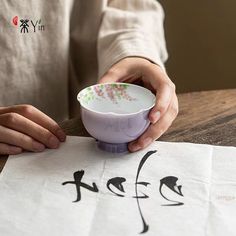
[114, 92]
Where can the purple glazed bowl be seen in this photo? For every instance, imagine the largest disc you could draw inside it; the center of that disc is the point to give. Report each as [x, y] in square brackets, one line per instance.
[115, 113]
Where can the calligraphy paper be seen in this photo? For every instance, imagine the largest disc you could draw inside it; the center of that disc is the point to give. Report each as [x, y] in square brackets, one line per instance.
[168, 189]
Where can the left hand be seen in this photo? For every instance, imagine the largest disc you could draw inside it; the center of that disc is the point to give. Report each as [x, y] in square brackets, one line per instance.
[143, 72]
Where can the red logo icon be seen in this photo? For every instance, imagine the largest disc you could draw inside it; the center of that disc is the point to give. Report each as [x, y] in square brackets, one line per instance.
[15, 20]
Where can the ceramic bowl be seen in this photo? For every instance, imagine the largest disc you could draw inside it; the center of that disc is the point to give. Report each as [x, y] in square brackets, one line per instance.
[115, 113]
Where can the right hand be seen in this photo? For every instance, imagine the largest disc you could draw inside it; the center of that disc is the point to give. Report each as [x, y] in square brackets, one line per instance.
[24, 127]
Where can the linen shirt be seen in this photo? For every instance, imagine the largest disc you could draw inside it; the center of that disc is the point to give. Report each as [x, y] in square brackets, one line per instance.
[49, 50]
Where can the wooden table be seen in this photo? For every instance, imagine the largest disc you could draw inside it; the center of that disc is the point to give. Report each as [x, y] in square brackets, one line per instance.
[205, 117]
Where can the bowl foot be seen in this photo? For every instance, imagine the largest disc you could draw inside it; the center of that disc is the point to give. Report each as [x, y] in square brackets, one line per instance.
[113, 147]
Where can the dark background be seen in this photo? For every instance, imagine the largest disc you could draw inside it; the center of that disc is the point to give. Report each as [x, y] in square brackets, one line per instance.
[201, 42]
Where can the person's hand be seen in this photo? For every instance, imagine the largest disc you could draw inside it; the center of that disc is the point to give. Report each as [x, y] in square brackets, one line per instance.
[23, 127]
[141, 71]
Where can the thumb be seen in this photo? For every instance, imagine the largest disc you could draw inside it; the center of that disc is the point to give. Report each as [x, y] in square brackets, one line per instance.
[119, 72]
[111, 76]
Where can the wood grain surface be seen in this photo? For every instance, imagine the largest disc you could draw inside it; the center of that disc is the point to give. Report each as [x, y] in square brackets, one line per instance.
[207, 117]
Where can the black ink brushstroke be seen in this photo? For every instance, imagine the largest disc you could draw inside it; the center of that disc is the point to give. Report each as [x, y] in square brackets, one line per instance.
[144, 159]
[116, 182]
[144, 184]
[78, 175]
[171, 183]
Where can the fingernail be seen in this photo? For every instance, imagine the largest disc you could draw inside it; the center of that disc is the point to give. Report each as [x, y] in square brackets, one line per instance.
[38, 147]
[147, 141]
[53, 142]
[61, 135]
[15, 150]
[134, 147]
[156, 117]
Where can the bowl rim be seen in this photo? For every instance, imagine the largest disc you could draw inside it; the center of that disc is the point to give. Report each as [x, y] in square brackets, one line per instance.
[114, 113]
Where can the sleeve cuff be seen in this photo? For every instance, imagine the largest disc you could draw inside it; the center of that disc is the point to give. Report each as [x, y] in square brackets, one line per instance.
[133, 44]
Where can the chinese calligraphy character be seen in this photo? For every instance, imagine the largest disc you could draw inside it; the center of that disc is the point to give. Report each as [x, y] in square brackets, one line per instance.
[170, 182]
[142, 162]
[116, 182]
[24, 25]
[78, 177]
[115, 186]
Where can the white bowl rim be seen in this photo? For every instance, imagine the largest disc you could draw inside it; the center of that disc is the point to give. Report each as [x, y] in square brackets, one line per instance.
[114, 113]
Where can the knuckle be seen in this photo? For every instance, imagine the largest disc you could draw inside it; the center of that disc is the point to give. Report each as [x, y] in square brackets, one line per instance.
[26, 141]
[161, 107]
[172, 85]
[26, 109]
[175, 109]
[141, 144]
[167, 83]
[54, 129]
[112, 72]
[10, 118]
[159, 130]
[47, 136]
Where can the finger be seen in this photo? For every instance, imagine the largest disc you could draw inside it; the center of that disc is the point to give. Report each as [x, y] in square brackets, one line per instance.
[38, 117]
[26, 126]
[110, 77]
[154, 131]
[163, 87]
[6, 149]
[115, 75]
[163, 99]
[21, 140]
[123, 71]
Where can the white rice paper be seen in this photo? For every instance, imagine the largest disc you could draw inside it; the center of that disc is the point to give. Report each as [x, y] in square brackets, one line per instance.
[180, 189]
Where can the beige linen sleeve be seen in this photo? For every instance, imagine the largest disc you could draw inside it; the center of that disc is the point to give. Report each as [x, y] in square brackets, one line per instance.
[131, 28]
